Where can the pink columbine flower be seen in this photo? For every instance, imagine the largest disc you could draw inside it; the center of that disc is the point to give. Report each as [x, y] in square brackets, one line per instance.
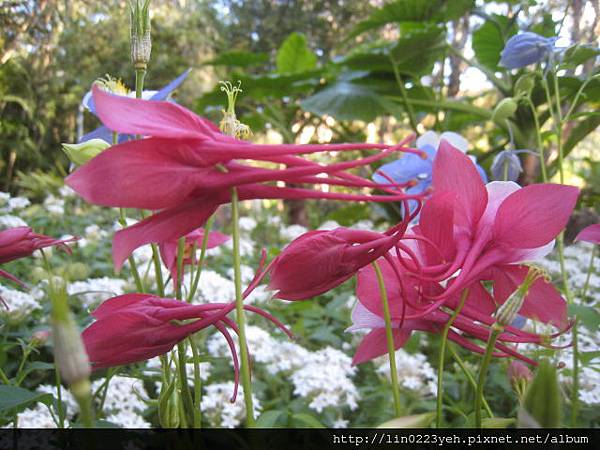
[469, 234]
[19, 242]
[191, 168]
[590, 234]
[193, 240]
[320, 260]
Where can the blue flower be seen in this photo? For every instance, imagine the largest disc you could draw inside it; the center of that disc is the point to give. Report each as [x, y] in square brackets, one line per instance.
[507, 165]
[106, 134]
[413, 167]
[526, 48]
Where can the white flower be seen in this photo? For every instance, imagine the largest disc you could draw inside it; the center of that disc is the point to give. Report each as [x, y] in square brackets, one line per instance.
[21, 304]
[219, 411]
[10, 221]
[128, 419]
[414, 372]
[37, 417]
[66, 192]
[124, 395]
[292, 232]
[16, 203]
[329, 225]
[95, 290]
[71, 405]
[247, 224]
[54, 205]
[213, 287]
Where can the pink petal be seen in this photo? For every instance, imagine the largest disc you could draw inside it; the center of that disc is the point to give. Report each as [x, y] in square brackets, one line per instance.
[147, 173]
[453, 171]
[374, 344]
[437, 224]
[590, 234]
[533, 216]
[149, 118]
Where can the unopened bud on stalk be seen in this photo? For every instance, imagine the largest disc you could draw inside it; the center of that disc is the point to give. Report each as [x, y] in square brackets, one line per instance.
[40, 337]
[525, 84]
[69, 352]
[505, 109]
[510, 308]
[519, 376]
[141, 43]
[79, 154]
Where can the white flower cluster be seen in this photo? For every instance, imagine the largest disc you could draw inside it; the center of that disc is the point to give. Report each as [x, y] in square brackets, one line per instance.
[21, 304]
[10, 204]
[37, 417]
[325, 379]
[292, 232]
[54, 205]
[93, 291]
[70, 404]
[92, 235]
[125, 401]
[414, 372]
[322, 377]
[9, 221]
[577, 263]
[218, 409]
[155, 368]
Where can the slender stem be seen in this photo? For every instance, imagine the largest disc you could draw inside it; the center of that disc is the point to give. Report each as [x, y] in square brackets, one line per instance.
[179, 280]
[559, 125]
[140, 75]
[470, 377]
[239, 308]
[589, 274]
[132, 264]
[59, 403]
[409, 109]
[444, 339]
[576, 98]
[389, 336]
[3, 377]
[197, 385]
[196, 280]
[487, 358]
[540, 145]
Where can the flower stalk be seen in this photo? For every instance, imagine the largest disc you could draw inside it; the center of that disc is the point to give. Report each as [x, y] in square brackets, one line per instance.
[390, 339]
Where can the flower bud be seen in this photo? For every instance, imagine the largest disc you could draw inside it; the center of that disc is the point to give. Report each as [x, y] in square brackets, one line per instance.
[69, 353]
[40, 337]
[230, 125]
[79, 154]
[506, 166]
[519, 377]
[508, 311]
[414, 421]
[505, 109]
[141, 43]
[524, 85]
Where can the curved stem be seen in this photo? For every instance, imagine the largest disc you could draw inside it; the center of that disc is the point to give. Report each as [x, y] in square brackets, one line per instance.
[487, 358]
[539, 141]
[440, 374]
[390, 340]
[589, 273]
[239, 309]
[196, 279]
[470, 377]
[197, 385]
[409, 109]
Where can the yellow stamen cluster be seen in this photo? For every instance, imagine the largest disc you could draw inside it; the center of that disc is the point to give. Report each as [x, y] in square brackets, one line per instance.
[112, 85]
[230, 125]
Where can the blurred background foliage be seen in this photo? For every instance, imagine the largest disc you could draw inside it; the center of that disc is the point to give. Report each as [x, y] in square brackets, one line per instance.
[325, 70]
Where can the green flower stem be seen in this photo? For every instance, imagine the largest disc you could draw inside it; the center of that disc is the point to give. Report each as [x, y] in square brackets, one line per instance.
[444, 339]
[3, 377]
[239, 308]
[59, 403]
[409, 109]
[558, 124]
[470, 377]
[540, 145]
[487, 358]
[197, 385]
[140, 75]
[589, 273]
[390, 340]
[196, 279]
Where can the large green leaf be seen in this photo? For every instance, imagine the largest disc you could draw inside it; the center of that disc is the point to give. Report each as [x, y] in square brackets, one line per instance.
[14, 399]
[414, 52]
[268, 419]
[303, 420]
[239, 59]
[294, 55]
[578, 54]
[542, 405]
[346, 101]
[413, 11]
[489, 40]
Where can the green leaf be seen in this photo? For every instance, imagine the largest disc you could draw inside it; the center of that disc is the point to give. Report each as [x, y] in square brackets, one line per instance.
[542, 405]
[497, 422]
[414, 421]
[413, 11]
[303, 420]
[268, 419]
[489, 40]
[578, 54]
[294, 55]
[239, 59]
[417, 50]
[14, 399]
[587, 315]
[345, 101]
